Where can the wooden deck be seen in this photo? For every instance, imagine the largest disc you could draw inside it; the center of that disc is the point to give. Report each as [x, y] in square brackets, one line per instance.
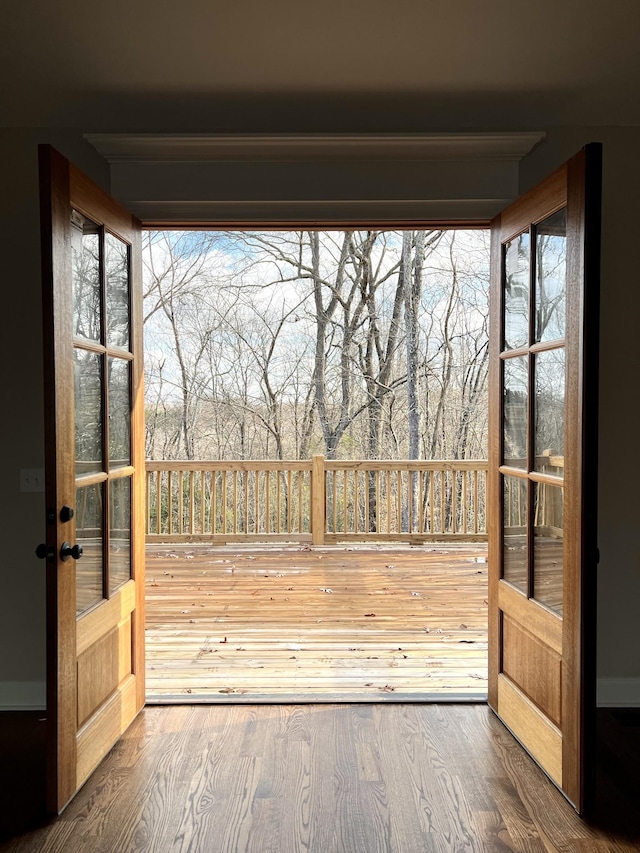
[301, 623]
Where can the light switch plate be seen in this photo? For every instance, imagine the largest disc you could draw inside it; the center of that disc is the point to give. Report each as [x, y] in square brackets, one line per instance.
[32, 479]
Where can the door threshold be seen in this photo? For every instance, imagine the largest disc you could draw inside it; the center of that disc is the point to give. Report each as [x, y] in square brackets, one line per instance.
[237, 698]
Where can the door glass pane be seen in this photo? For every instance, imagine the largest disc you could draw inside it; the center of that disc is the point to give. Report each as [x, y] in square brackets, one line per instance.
[120, 532]
[117, 275]
[89, 536]
[85, 253]
[548, 545]
[88, 415]
[119, 413]
[551, 254]
[549, 411]
[516, 393]
[514, 541]
[516, 292]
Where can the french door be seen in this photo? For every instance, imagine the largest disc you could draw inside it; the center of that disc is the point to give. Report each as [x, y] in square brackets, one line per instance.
[542, 470]
[94, 549]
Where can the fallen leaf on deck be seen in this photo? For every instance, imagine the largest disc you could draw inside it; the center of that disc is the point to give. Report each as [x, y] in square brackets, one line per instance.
[463, 626]
[369, 614]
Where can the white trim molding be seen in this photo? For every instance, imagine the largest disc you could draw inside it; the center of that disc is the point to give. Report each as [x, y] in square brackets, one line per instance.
[233, 179]
[204, 148]
[618, 692]
[23, 696]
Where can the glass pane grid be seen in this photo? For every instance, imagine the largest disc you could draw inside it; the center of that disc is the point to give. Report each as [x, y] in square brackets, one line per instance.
[89, 535]
[517, 271]
[550, 277]
[548, 545]
[514, 540]
[101, 316]
[533, 410]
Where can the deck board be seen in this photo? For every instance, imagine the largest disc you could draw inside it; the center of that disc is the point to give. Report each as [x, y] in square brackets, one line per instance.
[267, 623]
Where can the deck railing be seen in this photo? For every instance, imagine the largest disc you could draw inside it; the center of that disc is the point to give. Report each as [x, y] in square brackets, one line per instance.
[317, 500]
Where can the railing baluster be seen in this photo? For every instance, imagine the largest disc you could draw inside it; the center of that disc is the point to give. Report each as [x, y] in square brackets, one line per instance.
[300, 479]
[278, 502]
[235, 503]
[432, 499]
[447, 501]
[246, 501]
[367, 486]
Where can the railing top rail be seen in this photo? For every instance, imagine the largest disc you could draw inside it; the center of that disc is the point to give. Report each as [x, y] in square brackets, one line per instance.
[329, 464]
[406, 464]
[230, 465]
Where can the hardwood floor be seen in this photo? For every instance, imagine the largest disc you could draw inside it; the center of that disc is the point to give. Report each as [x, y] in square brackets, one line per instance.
[363, 778]
[301, 623]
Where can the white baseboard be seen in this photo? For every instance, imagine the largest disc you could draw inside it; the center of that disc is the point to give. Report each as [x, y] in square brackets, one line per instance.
[618, 693]
[23, 696]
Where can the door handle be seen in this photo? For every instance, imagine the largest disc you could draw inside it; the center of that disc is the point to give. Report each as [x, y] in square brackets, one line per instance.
[67, 551]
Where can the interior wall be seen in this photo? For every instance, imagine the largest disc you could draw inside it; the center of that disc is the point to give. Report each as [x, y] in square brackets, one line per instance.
[22, 616]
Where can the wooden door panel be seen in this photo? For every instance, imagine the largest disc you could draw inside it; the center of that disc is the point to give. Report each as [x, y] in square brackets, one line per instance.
[524, 656]
[94, 472]
[542, 455]
[532, 727]
[102, 668]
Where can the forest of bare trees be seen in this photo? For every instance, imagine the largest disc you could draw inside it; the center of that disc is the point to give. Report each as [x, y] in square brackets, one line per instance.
[354, 344]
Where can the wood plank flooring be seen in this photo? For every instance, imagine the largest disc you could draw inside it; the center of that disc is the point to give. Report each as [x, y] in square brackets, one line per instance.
[301, 623]
[359, 778]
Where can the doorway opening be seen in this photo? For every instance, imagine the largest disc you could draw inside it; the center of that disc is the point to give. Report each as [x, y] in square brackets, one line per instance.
[316, 445]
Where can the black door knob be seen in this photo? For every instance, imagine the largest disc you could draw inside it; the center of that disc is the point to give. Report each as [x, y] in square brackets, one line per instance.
[67, 551]
[44, 552]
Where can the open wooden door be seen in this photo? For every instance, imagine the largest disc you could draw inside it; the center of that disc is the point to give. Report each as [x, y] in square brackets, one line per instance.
[94, 475]
[542, 470]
